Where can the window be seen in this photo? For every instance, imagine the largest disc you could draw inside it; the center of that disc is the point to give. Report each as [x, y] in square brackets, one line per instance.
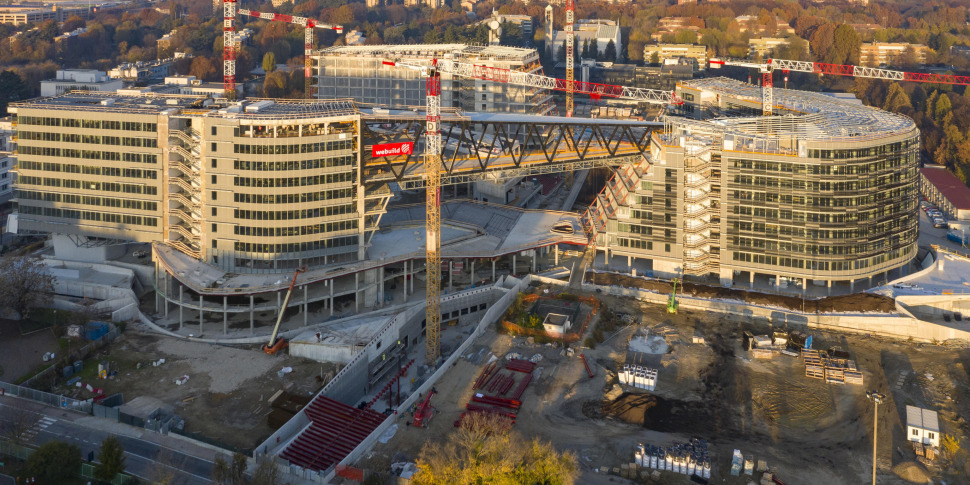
[667, 247]
[214, 211]
[215, 244]
[213, 147]
[214, 227]
[213, 195]
[378, 345]
[214, 179]
[213, 131]
[915, 432]
[213, 163]
[930, 435]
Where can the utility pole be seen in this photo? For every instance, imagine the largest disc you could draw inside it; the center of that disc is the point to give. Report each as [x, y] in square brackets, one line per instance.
[876, 398]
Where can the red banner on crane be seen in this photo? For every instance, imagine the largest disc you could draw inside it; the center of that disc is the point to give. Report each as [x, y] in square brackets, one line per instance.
[391, 149]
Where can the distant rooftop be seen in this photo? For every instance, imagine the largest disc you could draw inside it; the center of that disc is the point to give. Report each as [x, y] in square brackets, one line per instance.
[949, 185]
[437, 51]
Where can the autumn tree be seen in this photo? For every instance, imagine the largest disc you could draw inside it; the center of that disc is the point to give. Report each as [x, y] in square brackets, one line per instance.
[25, 282]
[12, 88]
[484, 449]
[269, 62]
[230, 473]
[111, 460]
[202, 68]
[896, 99]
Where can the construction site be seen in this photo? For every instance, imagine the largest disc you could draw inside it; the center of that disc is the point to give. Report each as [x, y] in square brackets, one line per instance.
[384, 271]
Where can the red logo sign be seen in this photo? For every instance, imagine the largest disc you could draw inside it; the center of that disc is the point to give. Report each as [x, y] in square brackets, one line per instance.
[392, 149]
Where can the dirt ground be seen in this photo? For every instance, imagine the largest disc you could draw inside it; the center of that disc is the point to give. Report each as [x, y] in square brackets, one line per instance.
[808, 431]
[225, 398]
[855, 303]
[19, 354]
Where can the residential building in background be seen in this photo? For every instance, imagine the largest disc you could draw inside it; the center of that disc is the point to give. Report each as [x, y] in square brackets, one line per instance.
[673, 25]
[667, 52]
[879, 53]
[767, 46]
[826, 193]
[143, 72]
[357, 72]
[79, 80]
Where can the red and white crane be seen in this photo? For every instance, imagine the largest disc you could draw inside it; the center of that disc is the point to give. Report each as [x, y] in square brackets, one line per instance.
[570, 54]
[308, 24]
[770, 65]
[229, 48]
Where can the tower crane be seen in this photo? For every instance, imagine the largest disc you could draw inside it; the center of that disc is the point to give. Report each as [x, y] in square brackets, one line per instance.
[769, 65]
[433, 147]
[229, 48]
[570, 55]
[308, 25]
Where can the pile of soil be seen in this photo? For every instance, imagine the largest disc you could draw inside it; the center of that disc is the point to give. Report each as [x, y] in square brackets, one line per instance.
[912, 472]
[854, 303]
[657, 413]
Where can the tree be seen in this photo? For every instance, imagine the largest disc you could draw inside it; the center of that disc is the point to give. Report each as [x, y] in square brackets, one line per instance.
[266, 473]
[610, 53]
[12, 88]
[269, 62]
[655, 57]
[274, 86]
[53, 462]
[941, 108]
[224, 473]
[15, 421]
[594, 49]
[845, 46]
[896, 99]
[111, 458]
[202, 68]
[486, 450]
[25, 282]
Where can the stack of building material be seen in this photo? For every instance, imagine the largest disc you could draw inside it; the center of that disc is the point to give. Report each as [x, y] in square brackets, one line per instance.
[737, 462]
[638, 376]
[760, 353]
[762, 341]
[820, 365]
[813, 364]
[520, 365]
[691, 458]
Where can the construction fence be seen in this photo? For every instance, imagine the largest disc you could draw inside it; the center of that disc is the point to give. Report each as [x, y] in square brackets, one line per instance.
[47, 398]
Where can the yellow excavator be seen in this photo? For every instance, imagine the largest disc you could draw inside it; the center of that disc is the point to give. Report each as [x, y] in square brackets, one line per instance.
[275, 345]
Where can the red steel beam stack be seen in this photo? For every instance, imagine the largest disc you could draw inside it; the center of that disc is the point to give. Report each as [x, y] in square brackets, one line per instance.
[485, 375]
[497, 401]
[589, 371]
[517, 394]
[520, 365]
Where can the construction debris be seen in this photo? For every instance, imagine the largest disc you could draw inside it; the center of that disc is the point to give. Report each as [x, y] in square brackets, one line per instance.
[833, 370]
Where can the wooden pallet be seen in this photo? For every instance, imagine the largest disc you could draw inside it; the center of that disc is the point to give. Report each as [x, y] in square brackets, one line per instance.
[918, 448]
[815, 371]
[834, 375]
[761, 353]
[853, 377]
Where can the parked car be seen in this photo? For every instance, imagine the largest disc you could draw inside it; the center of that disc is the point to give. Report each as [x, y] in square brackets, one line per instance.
[939, 222]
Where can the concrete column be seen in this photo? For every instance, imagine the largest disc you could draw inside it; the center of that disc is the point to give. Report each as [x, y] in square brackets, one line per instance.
[829, 290]
[157, 286]
[404, 281]
[804, 283]
[279, 301]
[356, 292]
[305, 305]
[451, 273]
[225, 315]
[168, 284]
[852, 286]
[413, 272]
[252, 315]
[751, 283]
[331, 297]
[201, 304]
[555, 251]
[472, 277]
[513, 263]
[493, 270]
[535, 256]
[629, 261]
[181, 307]
[380, 288]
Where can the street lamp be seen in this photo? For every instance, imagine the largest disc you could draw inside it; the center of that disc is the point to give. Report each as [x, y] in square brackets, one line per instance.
[876, 398]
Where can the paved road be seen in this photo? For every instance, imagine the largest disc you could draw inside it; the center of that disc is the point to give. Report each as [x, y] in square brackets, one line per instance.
[145, 456]
[7, 480]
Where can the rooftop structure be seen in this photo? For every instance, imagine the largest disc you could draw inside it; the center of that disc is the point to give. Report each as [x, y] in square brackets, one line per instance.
[667, 52]
[357, 72]
[737, 196]
[922, 425]
[79, 80]
[767, 46]
[946, 191]
[141, 71]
